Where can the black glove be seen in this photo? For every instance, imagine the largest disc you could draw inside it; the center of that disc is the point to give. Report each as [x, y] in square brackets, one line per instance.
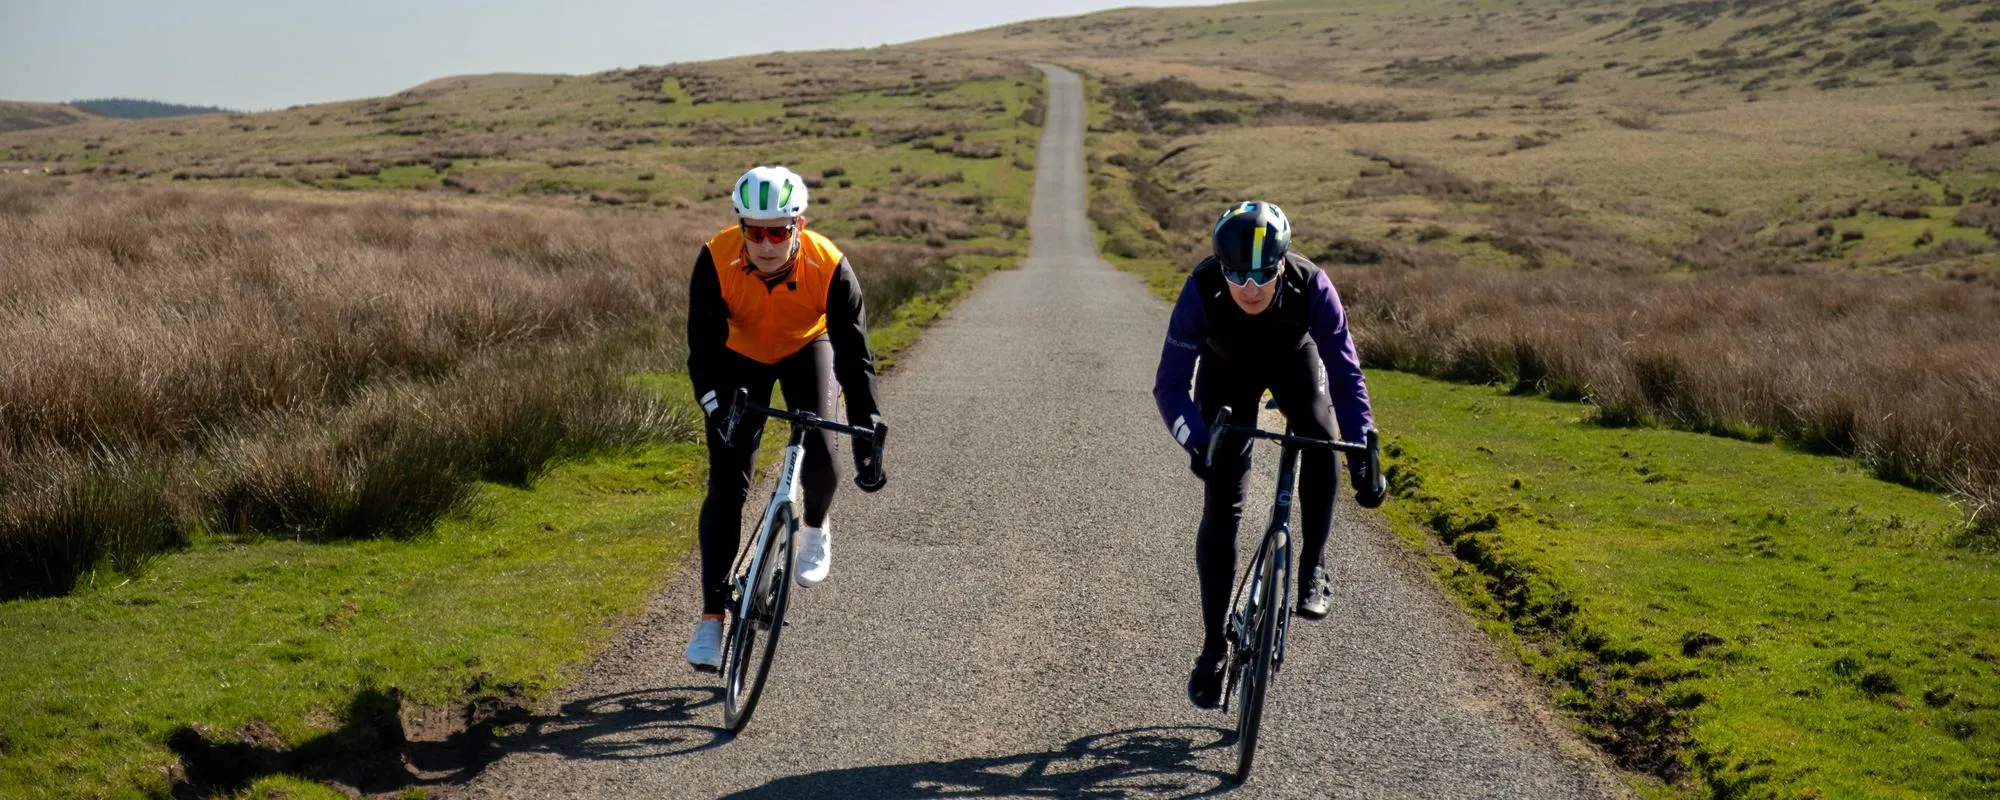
[1198, 462]
[868, 474]
[1370, 490]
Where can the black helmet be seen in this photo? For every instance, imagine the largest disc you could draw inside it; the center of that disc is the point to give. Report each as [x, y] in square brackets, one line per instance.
[1252, 237]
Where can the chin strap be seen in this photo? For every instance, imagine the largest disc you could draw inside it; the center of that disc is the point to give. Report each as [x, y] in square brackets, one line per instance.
[783, 273]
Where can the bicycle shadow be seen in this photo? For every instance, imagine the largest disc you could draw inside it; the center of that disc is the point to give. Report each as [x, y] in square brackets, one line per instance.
[643, 724]
[1150, 762]
[380, 750]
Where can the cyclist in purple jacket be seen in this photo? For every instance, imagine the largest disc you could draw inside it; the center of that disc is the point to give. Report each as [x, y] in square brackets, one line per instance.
[1259, 317]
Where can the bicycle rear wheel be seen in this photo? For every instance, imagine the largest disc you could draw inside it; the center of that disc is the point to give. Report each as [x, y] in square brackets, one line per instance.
[760, 618]
[1263, 643]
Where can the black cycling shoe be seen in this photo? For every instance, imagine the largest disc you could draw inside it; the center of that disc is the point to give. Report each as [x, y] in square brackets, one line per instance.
[1205, 683]
[1315, 594]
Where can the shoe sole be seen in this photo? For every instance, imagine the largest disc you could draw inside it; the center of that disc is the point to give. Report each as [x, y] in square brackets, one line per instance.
[714, 670]
[1301, 611]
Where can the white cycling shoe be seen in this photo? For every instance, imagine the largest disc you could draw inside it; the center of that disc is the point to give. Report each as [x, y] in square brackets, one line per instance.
[815, 554]
[705, 649]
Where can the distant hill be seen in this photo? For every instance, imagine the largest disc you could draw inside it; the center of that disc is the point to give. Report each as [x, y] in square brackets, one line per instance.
[125, 108]
[17, 116]
[498, 80]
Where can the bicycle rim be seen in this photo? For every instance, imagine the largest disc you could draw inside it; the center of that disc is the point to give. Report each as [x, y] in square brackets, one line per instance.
[1257, 672]
[753, 635]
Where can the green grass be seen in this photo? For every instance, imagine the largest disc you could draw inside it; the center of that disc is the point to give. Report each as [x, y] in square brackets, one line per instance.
[1885, 237]
[285, 787]
[518, 587]
[1858, 643]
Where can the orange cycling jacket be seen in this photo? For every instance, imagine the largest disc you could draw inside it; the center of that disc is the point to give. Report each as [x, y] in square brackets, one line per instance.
[731, 308]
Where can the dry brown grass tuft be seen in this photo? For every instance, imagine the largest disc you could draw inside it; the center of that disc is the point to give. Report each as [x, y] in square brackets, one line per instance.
[153, 317]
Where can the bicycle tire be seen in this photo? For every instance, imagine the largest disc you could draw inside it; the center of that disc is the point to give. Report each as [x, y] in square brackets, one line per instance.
[761, 609]
[1256, 678]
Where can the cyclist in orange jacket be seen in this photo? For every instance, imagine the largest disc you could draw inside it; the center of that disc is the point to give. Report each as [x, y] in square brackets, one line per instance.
[772, 302]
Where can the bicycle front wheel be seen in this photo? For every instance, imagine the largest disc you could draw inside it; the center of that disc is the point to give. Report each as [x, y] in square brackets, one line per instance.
[760, 618]
[1263, 644]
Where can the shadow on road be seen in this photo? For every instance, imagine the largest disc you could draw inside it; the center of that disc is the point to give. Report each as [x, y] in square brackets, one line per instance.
[377, 752]
[1141, 762]
[652, 723]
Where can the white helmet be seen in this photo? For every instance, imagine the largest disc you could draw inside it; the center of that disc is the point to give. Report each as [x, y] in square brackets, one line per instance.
[769, 193]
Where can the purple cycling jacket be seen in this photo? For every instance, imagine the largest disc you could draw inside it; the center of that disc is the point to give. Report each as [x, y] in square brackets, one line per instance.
[1207, 323]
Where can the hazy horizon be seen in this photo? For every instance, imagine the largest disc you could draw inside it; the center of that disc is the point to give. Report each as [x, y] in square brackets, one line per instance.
[256, 56]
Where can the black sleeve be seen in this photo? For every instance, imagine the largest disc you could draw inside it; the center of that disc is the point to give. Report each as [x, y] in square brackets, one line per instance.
[853, 362]
[707, 325]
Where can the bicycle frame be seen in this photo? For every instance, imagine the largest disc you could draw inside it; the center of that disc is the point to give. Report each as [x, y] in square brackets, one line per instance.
[1276, 544]
[787, 495]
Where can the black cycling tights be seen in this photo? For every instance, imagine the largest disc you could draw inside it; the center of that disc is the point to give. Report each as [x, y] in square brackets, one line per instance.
[806, 378]
[1297, 380]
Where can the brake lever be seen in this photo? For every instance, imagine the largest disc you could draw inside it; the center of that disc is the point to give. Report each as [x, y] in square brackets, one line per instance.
[1215, 435]
[1373, 439]
[736, 404]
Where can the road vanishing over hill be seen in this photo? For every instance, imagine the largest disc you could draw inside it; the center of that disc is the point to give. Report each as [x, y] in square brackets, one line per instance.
[1015, 615]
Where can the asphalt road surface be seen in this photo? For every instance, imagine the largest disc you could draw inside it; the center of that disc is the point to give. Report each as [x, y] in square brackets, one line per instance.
[1015, 615]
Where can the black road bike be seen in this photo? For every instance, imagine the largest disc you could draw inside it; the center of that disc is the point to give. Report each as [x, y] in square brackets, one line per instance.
[1261, 609]
[762, 588]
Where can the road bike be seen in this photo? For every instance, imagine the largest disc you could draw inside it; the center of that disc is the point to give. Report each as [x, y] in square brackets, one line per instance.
[1261, 608]
[762, 587]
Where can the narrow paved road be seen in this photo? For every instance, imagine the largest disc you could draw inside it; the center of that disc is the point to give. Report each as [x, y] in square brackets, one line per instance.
[1015, 614]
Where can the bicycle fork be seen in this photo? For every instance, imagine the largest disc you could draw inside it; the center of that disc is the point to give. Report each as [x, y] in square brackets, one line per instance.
[761, 569]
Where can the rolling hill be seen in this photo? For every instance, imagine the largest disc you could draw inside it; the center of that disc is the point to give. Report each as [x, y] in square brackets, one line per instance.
[18, 116]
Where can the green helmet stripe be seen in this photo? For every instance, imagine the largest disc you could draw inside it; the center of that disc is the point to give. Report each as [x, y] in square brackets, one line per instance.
[763, 195]
[743, 194]
[786, 198]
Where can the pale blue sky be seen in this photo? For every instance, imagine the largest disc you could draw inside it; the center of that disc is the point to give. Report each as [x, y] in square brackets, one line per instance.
[260, 55]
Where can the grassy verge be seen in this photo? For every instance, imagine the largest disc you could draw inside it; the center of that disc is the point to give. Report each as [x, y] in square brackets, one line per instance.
[285, 643]
[1740, 618]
